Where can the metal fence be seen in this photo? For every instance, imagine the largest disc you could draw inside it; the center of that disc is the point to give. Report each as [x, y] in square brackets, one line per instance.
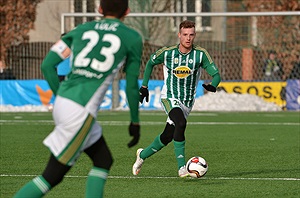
[24, 61]
[239, 44]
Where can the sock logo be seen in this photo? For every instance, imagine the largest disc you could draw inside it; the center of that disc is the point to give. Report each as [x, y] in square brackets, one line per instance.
[153, 149]
[180, 156]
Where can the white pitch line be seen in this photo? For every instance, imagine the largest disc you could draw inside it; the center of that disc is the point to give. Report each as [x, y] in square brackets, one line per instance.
[154, 177]
[125, 123]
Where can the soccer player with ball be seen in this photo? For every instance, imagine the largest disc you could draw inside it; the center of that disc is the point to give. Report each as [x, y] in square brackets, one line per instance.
[182, 65]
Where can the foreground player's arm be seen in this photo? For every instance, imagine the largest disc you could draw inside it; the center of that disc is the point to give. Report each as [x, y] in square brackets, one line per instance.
[132, 69]
[59, 51]
[132, 93]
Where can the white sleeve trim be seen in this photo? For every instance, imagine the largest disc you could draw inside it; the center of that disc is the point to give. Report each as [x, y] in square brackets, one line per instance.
[59, 47]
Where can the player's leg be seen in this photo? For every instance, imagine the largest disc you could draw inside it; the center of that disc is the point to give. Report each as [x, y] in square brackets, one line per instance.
[167, 135]
[40, 185]
[177, 116]
[177, 113]
[158, 143]
[102, 161]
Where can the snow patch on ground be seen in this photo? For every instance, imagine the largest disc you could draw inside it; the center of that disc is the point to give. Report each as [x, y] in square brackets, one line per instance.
[219, 101]
[222, 101]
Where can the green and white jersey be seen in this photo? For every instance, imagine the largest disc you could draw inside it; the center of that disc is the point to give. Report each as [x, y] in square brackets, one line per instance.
[181, 71]
[99, 50]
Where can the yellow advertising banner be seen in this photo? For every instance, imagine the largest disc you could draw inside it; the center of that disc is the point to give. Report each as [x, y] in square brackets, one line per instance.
[269, 91]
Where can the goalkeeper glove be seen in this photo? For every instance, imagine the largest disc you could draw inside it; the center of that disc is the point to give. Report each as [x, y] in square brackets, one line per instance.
[209, 87]
[134, 130]
[144, 93]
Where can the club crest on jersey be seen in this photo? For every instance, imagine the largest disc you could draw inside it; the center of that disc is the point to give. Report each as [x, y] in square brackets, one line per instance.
[176, 60]
[182, 71]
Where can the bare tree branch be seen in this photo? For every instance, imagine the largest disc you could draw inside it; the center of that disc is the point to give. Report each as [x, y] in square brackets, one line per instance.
[17, 18]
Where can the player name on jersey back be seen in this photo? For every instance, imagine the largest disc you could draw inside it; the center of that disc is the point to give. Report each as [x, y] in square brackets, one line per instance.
[106, 26]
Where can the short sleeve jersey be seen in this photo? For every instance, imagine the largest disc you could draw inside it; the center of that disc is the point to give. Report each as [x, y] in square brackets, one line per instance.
[182, 71]
[99, 50]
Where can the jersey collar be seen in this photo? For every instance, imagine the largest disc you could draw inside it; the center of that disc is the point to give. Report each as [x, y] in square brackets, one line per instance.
[184, 53]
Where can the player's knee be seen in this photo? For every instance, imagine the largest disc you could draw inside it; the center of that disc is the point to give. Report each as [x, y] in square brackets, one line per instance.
[167, 135]
[181, 124]
[100, 154]
[105, 162]
[53, 179]
[55, 171]
[102, 158]
[178, 118]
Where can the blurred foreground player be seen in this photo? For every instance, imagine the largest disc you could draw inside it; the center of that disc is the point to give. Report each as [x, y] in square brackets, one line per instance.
[100, 49]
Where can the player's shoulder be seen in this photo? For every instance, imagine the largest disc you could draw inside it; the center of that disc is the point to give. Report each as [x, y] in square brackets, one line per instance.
[130, 32]
[164, 49]
[199, 48]
[133, 32]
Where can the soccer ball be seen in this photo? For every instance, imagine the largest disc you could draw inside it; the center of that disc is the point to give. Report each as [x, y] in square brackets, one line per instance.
[197, 166]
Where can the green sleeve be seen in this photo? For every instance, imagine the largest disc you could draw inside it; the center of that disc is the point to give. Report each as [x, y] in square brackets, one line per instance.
[48, 68]
[155, 59]
[132, 93]
[147, 73]
[211, 69]
[132, 69]
[209, 65]
[216, 80]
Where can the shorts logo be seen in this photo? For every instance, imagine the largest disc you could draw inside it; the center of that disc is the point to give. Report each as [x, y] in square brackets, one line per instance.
[182, 71]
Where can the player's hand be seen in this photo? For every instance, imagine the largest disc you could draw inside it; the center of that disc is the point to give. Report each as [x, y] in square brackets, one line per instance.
[134, 130]
[209, 87]
[144, 93]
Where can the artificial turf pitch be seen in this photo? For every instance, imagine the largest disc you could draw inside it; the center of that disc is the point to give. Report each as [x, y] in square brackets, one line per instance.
[250, 154]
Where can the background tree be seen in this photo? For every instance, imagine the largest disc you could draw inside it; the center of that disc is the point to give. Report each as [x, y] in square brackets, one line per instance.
[17, 18]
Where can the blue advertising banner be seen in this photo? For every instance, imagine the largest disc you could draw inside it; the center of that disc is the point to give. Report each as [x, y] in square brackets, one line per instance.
[293, 95]
[154, 87]
[34, 92]
[37, 92]
[25, 92]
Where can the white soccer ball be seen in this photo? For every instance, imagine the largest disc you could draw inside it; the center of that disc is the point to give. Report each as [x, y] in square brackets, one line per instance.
[197, 166]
